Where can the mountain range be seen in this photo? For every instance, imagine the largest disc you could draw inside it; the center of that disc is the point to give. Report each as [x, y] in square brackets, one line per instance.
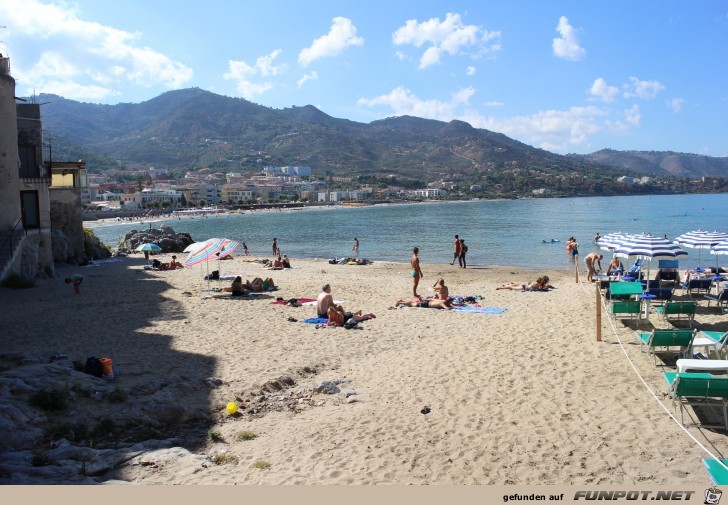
[192, 128]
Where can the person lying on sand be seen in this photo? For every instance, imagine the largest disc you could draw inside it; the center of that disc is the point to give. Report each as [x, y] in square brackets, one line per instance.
[339, 317]
[540, 284]
[259, 285]
[431, 303]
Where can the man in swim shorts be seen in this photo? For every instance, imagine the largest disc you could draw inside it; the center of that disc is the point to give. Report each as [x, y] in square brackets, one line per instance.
[416, 271]
[324, 301]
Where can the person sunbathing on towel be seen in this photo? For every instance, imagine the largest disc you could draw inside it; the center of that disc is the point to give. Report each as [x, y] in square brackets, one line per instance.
[431, 303]
[237, 287]
[259, 285]
[338, 317]
[540, 284]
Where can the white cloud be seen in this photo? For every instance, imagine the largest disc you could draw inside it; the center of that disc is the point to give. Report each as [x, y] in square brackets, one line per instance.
[449, 36]
[100, 53]
[633, 115]
[494, 104]
[642, 89]
[265, 66]
[555, 130]
[563, 128]
[676, 104]
[307, 77]
[75, 91]
[567, 46]
[400, 55]
[241, 72]
[404, 103]
[342, 34]
[602, 91]
[470, 70]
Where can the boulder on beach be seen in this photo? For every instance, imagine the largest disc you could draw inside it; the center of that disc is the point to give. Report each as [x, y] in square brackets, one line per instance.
[164, 237]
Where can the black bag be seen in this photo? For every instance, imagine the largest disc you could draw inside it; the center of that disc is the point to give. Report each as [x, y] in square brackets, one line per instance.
[214, 276]
[465, 248]
[156, 263]
[93, 367]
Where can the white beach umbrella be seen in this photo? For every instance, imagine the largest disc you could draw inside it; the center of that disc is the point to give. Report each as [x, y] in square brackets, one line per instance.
[700, 239]
[649, 248]
[611, 241]
[721, 248]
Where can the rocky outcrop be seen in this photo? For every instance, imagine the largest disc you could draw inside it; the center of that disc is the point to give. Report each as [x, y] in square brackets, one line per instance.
[164, 237]
[94, 247]
[62, 426]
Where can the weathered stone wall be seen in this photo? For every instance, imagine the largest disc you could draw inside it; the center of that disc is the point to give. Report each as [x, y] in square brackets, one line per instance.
[66, 217]
[9, 162]
[34, 257]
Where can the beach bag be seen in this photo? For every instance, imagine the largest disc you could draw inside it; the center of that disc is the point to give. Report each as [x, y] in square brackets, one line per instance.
[214, 276]
[93, 367]
[465, 249]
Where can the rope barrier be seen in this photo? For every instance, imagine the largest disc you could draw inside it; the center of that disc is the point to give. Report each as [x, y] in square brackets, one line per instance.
[644, 383]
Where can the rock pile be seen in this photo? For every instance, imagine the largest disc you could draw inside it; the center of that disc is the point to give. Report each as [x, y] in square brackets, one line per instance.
[164, 237]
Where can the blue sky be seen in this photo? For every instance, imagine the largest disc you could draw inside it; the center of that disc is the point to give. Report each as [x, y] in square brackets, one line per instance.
[567, 76]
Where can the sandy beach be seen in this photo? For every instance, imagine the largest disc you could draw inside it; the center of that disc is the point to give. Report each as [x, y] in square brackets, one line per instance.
[526, 396]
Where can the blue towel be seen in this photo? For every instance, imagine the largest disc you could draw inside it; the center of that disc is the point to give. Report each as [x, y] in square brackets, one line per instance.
[481, 310]
[316, 320]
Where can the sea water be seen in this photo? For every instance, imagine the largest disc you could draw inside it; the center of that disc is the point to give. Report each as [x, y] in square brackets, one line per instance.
[497, 232]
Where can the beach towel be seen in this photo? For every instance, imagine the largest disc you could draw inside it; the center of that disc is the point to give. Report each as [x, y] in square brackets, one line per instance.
[481, 310]
[316, 320]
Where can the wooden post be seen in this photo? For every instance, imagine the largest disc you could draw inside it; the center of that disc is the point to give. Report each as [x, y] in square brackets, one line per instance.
[576, 267]
[599, 312]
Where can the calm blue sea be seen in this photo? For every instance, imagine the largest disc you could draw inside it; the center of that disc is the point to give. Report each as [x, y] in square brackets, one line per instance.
[500, 232]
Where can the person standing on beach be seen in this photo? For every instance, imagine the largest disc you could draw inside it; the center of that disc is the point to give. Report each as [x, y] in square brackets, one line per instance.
[456, 251]
[589, 260]
[245, 248]
[355, 247]
[275, 246]
[463, 250]
[416, 271]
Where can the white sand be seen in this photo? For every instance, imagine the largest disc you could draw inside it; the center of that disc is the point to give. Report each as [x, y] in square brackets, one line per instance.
[523, 397]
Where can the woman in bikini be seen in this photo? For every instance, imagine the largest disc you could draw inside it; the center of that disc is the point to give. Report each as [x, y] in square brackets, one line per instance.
[430, 303]
[540, 284]
[441, 291]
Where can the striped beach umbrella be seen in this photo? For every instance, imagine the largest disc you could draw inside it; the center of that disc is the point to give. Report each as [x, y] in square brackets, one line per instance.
[700, 239]
[204, 251]
[611, 241]
[721, 248]
[647, 247]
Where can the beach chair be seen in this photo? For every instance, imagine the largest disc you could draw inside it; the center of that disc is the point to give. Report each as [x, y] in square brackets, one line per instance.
[698, 389]
[721, 298]
[718, 472]
[626, 309]
[661, 293]
[668, 277]
[696, 286]
[678, 311]
[716, 340]
[683, 339]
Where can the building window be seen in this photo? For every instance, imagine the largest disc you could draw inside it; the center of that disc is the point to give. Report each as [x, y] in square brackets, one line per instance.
[28, 162]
